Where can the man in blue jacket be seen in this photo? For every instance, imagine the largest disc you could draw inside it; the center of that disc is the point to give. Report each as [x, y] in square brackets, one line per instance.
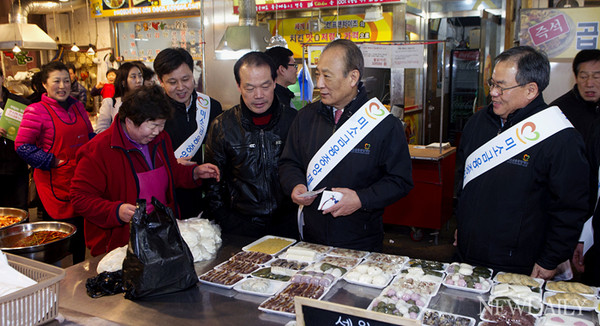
[522, 180]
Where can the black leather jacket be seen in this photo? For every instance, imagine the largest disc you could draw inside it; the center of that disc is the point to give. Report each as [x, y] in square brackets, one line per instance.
[247, 156]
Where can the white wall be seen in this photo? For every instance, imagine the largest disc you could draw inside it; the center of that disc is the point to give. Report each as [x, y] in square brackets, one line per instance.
[561, 80]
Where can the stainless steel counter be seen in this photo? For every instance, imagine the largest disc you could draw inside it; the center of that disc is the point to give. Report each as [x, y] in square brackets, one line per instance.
[209, 305]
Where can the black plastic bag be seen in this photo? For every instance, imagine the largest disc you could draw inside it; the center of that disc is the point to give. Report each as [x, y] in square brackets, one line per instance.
[105, 283]
[158, 260]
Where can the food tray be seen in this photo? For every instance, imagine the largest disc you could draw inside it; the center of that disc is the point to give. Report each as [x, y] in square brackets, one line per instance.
[387, 258]
[466, 288]
[594, 289]
[525, 306]
[350, 253]
[427, 264]
[318, 257]
[540, 281]
[564, 306]
[442, 313]
[388, 279]
[511, 310]
[410, 284]
[36, 304]
[387, 298]
[221, 285]
[267, 237]
[320, 249]
[494, 291]
[569, 320]
[274, 287]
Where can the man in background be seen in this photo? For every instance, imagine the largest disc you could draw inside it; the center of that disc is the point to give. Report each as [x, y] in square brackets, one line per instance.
[192, 114]
[78, 91]
[581, 104]
[287, 71]
[521, 173]
[245, 142]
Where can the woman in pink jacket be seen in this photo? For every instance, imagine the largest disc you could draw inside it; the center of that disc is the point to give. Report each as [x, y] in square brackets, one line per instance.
[50, 133]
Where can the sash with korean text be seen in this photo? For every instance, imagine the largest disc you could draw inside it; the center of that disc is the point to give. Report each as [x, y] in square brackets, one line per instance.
[191, 145]
[515, 140]
[360, 124]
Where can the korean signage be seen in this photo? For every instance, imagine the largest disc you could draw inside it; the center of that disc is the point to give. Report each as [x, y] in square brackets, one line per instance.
[561, 33]
[143, 39]
[273, 5]
[109, 8]
[297, 31]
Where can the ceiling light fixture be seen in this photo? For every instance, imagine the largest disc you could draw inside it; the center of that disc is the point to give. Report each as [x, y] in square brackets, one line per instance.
[90, 50]
[16, 49]
[75, 48]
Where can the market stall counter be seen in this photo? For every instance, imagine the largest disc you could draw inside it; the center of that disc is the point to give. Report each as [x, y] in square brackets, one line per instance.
[207, 304]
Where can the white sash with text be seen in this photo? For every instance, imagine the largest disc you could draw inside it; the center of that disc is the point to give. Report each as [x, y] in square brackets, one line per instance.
[341, 143]
[515, 140]
[191, 145]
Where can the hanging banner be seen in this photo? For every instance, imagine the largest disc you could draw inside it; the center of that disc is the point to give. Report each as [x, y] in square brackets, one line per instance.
[109, 8]
[560, 33]
[312, 30]
[273, 5]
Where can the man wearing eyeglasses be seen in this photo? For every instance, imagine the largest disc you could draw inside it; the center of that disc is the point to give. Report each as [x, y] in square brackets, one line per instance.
[522, 174]
[287, 71]
[246, 141]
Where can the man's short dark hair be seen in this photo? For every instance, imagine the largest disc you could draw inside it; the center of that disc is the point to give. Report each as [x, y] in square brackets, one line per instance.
[147, 73]
[254, 59]
[585, 56]
[532, 65]
[145, 103]
[70, 66]
[353, 57]
[280, 55]
[170, 59]
[50, 67]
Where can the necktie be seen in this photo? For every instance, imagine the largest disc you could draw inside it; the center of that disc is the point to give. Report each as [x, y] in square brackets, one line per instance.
[338, 115]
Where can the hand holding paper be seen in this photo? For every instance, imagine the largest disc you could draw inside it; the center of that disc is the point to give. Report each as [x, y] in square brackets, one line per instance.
[347, 204]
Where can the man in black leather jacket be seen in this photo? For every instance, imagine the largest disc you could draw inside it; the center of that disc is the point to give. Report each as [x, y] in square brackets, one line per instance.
[245, 142]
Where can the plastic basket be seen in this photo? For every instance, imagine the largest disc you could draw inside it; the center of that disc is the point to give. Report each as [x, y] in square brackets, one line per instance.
[36, 304]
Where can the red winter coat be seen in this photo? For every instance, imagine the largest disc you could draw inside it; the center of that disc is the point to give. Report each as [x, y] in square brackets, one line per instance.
[105, 178]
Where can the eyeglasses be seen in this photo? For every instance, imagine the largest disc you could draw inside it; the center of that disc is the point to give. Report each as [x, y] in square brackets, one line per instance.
[295, 65]
[492, 84]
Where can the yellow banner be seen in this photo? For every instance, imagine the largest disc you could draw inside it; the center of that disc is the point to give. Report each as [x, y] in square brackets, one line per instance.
[109, 8]
[298, 31]
[561, 33]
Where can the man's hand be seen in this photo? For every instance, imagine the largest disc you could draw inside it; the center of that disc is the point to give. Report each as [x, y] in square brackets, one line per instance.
[298, 190]
[2, 132]
[207, 171]
[578, 258]
[186, 161]
[126, 212]
[540, 272]
[349, 203]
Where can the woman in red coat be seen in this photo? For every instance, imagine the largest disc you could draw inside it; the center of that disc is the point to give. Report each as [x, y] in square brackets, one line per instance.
[132, 159]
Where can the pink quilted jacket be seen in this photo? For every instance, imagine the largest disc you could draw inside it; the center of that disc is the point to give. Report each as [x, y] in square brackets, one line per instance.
[37, 128]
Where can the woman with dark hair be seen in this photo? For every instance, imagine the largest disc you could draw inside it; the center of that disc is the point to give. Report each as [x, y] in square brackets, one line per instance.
[129, 78]
[50, 133]
[133, 159]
